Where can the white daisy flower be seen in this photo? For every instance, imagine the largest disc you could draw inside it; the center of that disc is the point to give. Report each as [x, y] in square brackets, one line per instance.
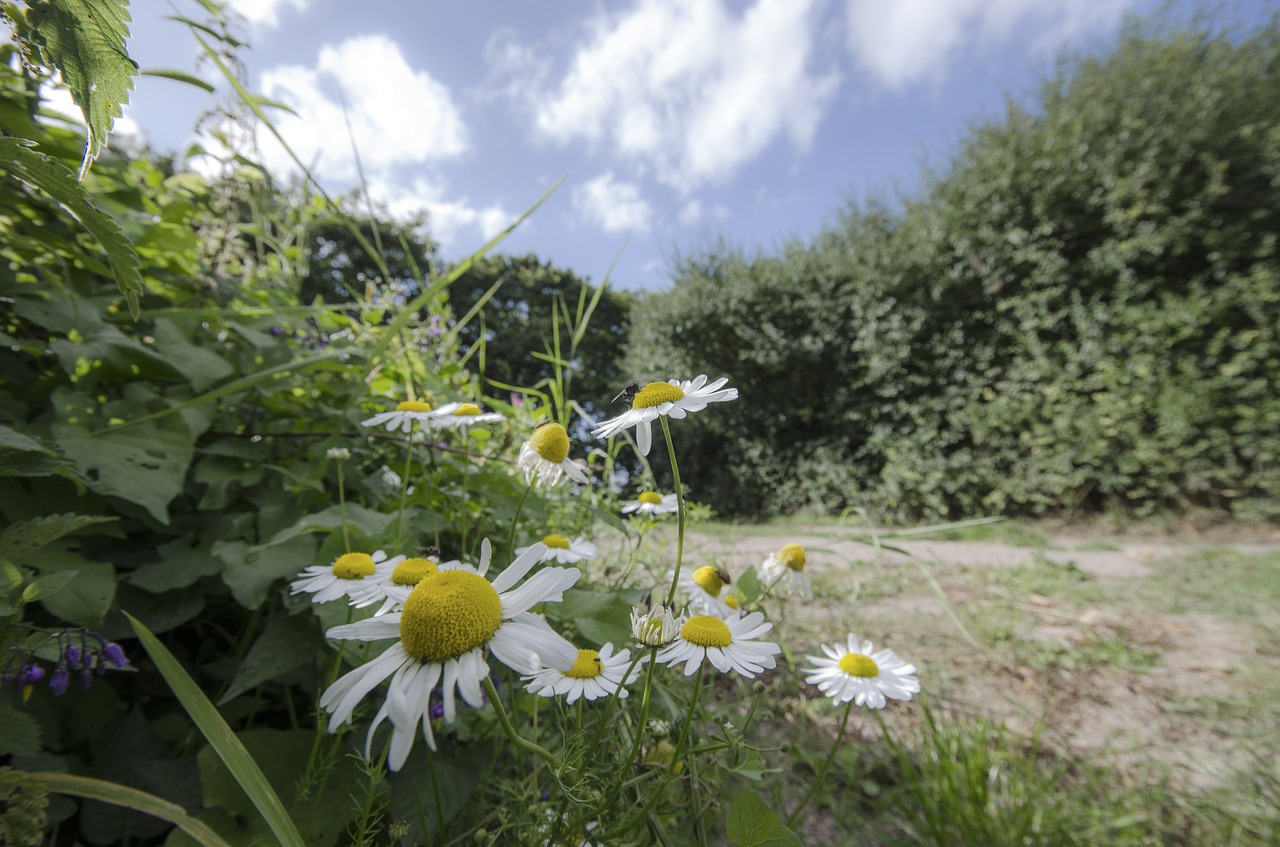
[858, 674]
[593, 675]
[730, 645]
[403, 417]
[564, 551]
[657, 627]
[348, 571]
[462, 416]
[787, 567]
[545, 457]
[392, 581]
[651, 503]
[448, 622]
[708, 591]
[675, 398]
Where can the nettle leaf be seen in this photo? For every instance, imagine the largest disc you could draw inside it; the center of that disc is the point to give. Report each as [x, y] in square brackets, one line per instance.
[250, 570]
[19, 732]
[285, 644]
[85, 40]
[22, 539]
[55, 179]
[47, 586]
[751, 824]
[11, 439]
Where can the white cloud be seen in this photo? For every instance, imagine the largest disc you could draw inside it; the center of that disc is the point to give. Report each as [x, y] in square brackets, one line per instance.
[456, 224]
[691, 89]
[57, 98]
[265, 13]
[910, 40]
[398, 115]
[612, 205]
[693, 212]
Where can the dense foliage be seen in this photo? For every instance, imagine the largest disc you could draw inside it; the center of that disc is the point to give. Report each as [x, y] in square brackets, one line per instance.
[1081, 311]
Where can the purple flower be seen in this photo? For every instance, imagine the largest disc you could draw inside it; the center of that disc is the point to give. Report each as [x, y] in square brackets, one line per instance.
[277, 331]
[29, 675]
[72, 657]
[60, 679]
[86, 677]
[114, 655]
[436, 711]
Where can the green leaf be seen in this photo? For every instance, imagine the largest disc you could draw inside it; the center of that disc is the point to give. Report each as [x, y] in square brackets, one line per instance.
[87, 596]
[200, 365]
[751, 824]
[47, 586]
[130, 798]
[220, 737]
[20, 540]
[11, 439]
[85, 40]
[180, 76]
[368, 522]
[285, 644]
[250, 570]
[181, 565]
[457, 777]
[55, 179]
[602, 617]
[19, 732]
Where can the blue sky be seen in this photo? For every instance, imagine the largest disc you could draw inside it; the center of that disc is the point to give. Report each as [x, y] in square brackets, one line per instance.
[673, 122]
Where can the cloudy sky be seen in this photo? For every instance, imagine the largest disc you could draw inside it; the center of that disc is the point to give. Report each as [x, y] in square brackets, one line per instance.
[673, 122]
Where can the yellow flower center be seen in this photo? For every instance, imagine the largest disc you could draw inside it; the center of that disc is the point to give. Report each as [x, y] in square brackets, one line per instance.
[413, 406]
[792, 555]
[449, 614]
[708, 579]
[731, 601]
[706, 631]
[467, 410]
[650, 497]
[655, 394]
[551, 442]
[856, 664]
[587, 666]
[556, 541]
[353, 566]
[413, 571]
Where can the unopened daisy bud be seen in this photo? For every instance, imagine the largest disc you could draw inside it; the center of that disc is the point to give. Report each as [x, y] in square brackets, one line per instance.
[337, 454]
[655, 628]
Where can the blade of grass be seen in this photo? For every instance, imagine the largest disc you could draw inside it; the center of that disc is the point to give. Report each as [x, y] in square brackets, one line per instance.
[129, 798]
[220, 738]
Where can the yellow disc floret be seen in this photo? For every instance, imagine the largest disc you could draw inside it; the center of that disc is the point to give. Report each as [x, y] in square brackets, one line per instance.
[708, 579]
[449, 614]
[413, 406]
[792, 555]
[706, 631]
[353, 566]
[655, 394]
[556, 541]
[856, 664]
[587, 666]
[467, 410]
[413, 571]
[551, 442]
[652, 497]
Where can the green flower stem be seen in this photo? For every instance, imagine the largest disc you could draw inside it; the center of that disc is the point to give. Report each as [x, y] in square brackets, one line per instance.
[608, 709]
[404, 487]
[629, 763]
[516, 739]
[435, 791]
[821, 775]
[675, 472]
[675, 755]
[342, 507]
[511, 540]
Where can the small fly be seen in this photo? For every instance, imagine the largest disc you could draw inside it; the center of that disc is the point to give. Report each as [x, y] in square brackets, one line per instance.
[628, 394]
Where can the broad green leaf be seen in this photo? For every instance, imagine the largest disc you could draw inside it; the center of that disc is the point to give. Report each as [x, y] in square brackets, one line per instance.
[367, 522]
[11, 439]
[182, 563]
[221, 739]
[201, 366]
[751, 824]
[286, 643]
[413, 788]
[250, 570]
[602, 617]
[47, 586]
[19, 732]
[85, 40]
[20, 540]
[131, 798]
[86, 597]
[55, 179]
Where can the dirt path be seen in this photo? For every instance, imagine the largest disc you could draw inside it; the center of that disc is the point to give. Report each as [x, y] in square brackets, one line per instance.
[1157, 655]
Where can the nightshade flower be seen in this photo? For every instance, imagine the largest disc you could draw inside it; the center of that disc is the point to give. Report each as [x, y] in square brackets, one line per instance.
[443, 632]
[708, 591]
[329, 582]
[854, 672]
[564, 551]
[404, 416]
[729, 645]
[593, 675]
[651, 503]
[675, 398]
[786, 567]
[545, 457]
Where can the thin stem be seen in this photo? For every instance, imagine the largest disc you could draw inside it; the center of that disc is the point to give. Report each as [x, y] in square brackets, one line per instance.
[511, 541]
[404, 487]
[435, 791]
[821, 775]
[675, 473]
[516, 739]
[342, 506]
[608, 708]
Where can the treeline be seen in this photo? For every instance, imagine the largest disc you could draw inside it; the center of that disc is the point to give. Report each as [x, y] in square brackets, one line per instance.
[1080, 313]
